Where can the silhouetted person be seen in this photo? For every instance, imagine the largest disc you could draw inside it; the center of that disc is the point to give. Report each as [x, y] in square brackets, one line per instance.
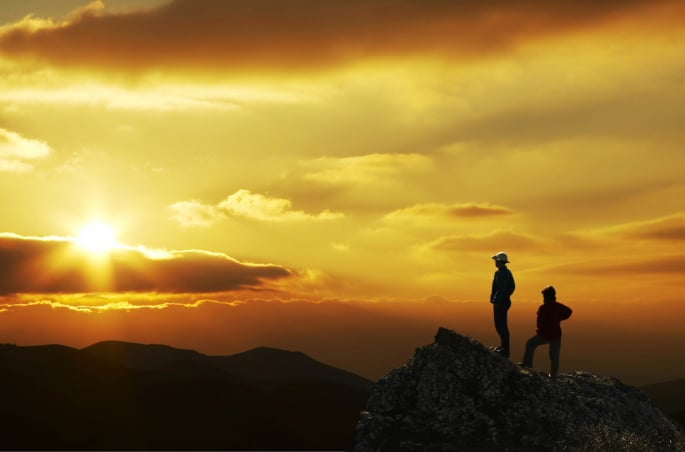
[550, 315]
[502, 287]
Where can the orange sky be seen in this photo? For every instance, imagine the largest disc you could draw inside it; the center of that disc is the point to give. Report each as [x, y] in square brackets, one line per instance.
[304, 150]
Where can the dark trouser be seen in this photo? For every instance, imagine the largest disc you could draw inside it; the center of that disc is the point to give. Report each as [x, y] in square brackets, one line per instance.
[500, 311]
[554, 352]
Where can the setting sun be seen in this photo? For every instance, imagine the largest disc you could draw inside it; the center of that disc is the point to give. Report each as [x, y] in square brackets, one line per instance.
[97, 237]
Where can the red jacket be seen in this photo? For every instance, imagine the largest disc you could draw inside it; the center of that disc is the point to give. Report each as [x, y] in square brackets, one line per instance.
[550, 315]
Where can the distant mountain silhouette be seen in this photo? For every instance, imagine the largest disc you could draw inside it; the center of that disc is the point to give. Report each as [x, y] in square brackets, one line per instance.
[140, 356]
[262, 363]
[124, 396]
[669, 397]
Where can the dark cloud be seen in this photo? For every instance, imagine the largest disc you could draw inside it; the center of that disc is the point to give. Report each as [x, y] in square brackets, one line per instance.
[674, 265]
[635, 113]
[252, 34]
[55, 265]
[477, 210]
[670, 228]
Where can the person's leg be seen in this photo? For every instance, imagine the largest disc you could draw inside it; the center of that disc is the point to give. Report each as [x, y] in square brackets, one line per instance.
[554, 352]
[501, 326]
[531, 345]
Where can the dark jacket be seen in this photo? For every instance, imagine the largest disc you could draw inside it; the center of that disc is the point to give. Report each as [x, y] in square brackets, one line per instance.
[550, 315]
[502, 286]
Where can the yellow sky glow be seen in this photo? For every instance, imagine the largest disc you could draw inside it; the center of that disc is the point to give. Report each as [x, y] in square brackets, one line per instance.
[362, 159]
[559, 135]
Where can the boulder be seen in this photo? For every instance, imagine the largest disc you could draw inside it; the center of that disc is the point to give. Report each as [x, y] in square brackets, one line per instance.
[457, 395]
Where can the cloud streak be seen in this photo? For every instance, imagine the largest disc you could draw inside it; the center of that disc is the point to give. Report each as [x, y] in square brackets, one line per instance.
[364, 169]
[253, 34]
[59, 265]
[447, 212]
[667, 266]
[508, 240]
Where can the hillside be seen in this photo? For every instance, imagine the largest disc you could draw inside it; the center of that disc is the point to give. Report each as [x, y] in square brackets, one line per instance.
[124, 396]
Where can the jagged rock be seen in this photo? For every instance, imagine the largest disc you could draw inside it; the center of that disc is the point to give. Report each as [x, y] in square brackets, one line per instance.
[456, 395]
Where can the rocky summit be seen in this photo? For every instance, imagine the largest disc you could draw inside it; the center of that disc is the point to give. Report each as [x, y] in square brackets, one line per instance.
[457, 395]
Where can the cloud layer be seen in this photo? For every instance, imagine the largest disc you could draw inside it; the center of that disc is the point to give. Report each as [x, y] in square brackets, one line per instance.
[298, 33]
[58, 265]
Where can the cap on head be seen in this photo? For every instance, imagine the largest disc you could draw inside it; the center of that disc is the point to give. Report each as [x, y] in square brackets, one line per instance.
[549, 292]
[502, 257]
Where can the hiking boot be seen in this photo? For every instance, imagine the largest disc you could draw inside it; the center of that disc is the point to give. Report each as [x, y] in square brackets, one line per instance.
[524, 365]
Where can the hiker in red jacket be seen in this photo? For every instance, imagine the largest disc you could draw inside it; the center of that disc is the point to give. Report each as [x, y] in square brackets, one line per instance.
[550, 314]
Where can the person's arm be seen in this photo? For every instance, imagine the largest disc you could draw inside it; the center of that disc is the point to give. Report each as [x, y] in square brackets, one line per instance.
[565, 312]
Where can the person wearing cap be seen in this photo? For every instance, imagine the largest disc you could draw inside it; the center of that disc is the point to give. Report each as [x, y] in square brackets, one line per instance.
[550, 315]
[503, 286]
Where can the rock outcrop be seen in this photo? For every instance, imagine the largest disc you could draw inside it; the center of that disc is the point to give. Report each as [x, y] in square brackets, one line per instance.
[456, 395]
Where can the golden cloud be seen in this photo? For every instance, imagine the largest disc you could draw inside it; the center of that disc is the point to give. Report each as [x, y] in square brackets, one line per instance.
[16, 152]
[243, 204]
[59, 265]
[298, 33]
[194, 213]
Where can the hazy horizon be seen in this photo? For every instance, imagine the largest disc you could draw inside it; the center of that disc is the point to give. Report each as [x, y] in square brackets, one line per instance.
[369, 338]
[333, 176]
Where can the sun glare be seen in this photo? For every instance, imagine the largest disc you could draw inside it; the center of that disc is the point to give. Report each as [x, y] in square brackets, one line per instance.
[97, 237]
